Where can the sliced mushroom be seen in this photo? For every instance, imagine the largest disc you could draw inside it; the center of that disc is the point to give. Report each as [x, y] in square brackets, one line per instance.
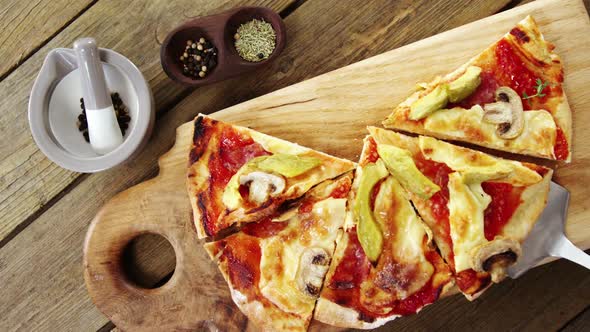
[507, 113]
[313, 266]
[495, 257]
[262, 186]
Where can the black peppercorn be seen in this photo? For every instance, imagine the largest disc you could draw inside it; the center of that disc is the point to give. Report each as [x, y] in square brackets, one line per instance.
[121, 111]
[198, 58]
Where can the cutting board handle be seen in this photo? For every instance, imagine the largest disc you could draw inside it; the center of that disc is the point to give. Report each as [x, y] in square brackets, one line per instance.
[196, 296]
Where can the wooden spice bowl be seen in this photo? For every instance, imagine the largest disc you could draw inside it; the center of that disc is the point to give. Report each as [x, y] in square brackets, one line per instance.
[219, 29]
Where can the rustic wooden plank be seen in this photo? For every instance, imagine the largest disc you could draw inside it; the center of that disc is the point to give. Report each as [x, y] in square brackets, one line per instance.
[28, 180]
[54, 240]
[579, 324]
[27, 25]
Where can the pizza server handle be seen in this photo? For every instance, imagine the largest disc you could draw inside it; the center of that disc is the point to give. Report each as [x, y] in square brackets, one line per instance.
[103, 128]
[547, 238]
[564, 248]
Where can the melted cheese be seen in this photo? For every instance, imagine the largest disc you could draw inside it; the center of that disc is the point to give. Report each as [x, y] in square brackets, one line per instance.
[329, 167]
[467, 203]
[404, 233]
[280, 254]
[276, 145]
[538, 136]
[477, 164]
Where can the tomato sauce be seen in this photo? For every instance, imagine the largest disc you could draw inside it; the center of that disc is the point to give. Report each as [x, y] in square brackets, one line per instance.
[513, 72]
[371, 154]
[235, 149]
[470, 282]
[265, 228]
[306, 206]
[439, 174]
[539, 169]
[344, 286]
[342, 190]
[505, 200]
[354, 267]
[428, 294]
[243, 259]
[560, 149]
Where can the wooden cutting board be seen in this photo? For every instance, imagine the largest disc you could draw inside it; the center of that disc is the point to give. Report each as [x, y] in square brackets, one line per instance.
[328, 113]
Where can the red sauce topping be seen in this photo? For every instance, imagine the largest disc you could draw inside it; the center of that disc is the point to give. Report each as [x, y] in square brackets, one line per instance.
[515, 73]
[243, 258]
[265, 228]
[428, 294]
[371, 154]
[541, 171]
[470, 282]
[342, 190]
[439, 174]
[560, 149]
[354, 268]
[505, 200]
[235, 149]
[306, 206]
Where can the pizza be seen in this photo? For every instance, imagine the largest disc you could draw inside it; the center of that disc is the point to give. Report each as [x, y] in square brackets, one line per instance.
[275, 267]
[510, 97]
[385, 264]
[298, 234]
[238, 175]
[480, 208]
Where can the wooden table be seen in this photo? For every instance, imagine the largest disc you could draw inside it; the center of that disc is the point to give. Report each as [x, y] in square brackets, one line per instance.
[45, 210]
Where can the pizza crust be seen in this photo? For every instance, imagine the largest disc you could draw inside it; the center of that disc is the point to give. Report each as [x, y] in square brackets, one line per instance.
[331, 313]
[543, 51]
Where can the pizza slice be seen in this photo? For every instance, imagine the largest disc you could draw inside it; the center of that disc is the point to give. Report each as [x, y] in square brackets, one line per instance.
[275, 268]
[509, 97]
[479, 207]
[385, 265]
[238, 175]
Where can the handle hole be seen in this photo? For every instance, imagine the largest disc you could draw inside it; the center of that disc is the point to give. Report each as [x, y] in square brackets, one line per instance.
[148, 261]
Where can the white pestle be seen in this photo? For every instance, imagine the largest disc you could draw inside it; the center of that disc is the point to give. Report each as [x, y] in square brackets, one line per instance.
[103, 128]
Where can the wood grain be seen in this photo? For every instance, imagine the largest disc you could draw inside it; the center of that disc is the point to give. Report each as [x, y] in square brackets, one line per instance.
[55, 238]
[26, 25]
[327, 110]
[580, 323]
[28, 180]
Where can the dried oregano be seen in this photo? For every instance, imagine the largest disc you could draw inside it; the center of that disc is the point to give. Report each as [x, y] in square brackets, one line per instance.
[255, 40]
